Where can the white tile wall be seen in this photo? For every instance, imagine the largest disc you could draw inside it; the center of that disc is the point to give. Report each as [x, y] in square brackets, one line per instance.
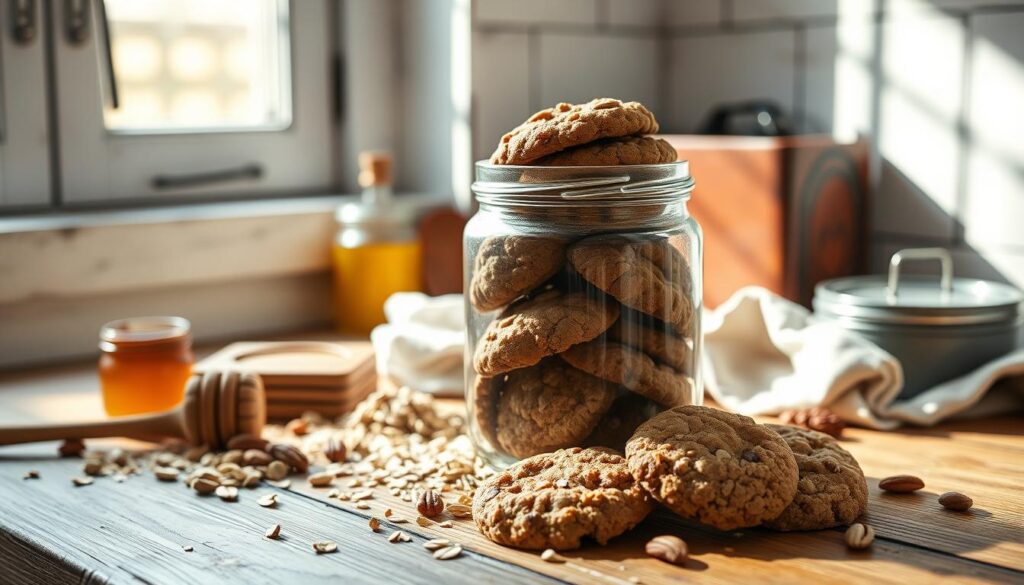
[501, 87]
[994, 205]
[686, 13]
[626, 67]
[709, 70]
[536, 11]
[751, 10]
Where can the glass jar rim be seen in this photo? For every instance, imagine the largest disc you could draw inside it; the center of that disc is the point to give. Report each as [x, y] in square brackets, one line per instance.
[144, 332]
[555, 185]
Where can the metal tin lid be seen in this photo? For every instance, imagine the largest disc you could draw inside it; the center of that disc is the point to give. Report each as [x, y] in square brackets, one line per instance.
[919, 300]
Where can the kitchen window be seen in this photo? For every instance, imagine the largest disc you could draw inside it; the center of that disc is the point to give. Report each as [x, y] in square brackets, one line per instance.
[164, 100]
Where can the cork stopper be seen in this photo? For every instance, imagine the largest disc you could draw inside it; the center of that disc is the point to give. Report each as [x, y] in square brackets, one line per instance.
[374, 169]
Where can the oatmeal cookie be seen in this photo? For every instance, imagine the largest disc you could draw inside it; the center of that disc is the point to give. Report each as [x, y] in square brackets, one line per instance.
[566, 125]
[627, 413]
[533, 329]
[719, 468]
[650, 276]
[485, 395]
[632, 150]
[555, 499]
[550, 406]
[631, 369]
[654, 338]
[831, 490]
[507, 267]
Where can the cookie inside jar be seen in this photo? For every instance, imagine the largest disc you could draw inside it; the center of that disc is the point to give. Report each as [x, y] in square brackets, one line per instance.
[583, 283]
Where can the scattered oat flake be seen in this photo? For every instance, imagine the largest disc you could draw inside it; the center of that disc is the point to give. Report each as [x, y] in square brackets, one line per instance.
[423, 521]
[81, 481]
[551, 556]
[437, 543]
[274, 532]
[445, 524]
[399, 536]
[283, 484]
[187, 548]
[362, 506]
[333, 493]
[31, 474]
[460, 510]
[374, 524]
[324, 547]
[447, 553]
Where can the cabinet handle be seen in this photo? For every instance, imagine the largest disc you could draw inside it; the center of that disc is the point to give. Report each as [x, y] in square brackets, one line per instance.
[23, 21]
[249, 171]
[76, 21]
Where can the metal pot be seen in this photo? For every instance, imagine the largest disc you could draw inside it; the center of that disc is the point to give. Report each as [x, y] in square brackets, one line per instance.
[937, 332]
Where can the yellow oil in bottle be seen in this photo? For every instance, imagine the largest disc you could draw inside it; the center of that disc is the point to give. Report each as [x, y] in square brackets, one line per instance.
[366, 275]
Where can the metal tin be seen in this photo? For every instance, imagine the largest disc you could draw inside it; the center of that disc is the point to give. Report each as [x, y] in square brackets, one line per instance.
[937, 330]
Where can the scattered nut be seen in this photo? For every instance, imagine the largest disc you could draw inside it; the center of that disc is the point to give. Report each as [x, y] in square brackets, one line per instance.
[447, 553]
[71, 448]
[322, 479]
[374, 524]
[257, 457]
[956, 501]
[430, 504]
[324, 547]
[901, 484]
[268, 501]
[859, 536]
[290, 455]
[205, 486]
[460, 510]
[81, 481]
[335, 451]
[423, 521]
[187, 548]
[817, 418]
[274, 532]
[245, 442]
[398, 536]
[445, 524]
[437, 543]
[277, 470]
[283, 484]
[551, 556]
[166, 473]
[297, 427]
[668, 548]
[227, 493]
[31, 474]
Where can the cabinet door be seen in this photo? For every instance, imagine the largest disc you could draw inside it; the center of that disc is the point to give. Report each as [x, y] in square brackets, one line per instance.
[24, 135]
[192, 99]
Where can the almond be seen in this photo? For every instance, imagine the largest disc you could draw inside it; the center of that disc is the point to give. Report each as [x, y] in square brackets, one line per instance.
[956, 501]
[901, 484]
[668, 548]
[245, 442]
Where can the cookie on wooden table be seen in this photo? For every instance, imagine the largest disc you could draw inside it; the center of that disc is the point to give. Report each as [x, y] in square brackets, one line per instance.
[719, 468]
[536, 328]
[566, 126]
[550, 406]
[631, 369]
[507, 267]
[554, 500]
[650, 276]
[631, 150]
[831, 491]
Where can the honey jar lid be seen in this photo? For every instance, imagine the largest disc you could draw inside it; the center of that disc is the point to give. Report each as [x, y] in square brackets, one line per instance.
[144, 332]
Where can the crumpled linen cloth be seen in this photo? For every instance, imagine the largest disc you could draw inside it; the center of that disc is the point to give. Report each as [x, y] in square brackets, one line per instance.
[764, 354]
[422, 344]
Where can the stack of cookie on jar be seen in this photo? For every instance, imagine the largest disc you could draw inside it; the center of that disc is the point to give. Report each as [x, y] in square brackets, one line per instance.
[582, 313]
[584, 327]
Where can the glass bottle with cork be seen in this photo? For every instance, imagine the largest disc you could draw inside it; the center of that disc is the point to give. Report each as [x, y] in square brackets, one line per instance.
[376, 250]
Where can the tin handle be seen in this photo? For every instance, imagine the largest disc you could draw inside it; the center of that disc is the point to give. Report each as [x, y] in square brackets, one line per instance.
[940, 254]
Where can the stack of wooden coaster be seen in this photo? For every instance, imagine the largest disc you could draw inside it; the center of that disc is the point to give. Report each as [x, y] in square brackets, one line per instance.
[329, 378]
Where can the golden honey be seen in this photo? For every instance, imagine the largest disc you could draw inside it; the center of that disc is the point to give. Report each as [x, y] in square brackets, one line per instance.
[144, 364]
[366, 275]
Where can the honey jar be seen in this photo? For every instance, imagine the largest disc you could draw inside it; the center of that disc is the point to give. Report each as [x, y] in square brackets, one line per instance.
[144, 364]
[376, 252]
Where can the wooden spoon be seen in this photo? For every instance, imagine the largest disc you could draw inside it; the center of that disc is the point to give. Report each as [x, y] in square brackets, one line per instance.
[217, 406]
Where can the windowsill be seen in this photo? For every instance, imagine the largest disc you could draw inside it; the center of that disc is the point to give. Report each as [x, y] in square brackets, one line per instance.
[171, 214]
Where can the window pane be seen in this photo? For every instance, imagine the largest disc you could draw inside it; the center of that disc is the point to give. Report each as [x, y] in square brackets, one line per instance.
[199, 65]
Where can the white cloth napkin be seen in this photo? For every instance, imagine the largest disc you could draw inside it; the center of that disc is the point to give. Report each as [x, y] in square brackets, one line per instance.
[421, 345]
[764, 354]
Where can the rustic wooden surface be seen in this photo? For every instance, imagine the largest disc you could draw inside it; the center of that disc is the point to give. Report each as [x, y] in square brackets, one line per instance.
[134, 531]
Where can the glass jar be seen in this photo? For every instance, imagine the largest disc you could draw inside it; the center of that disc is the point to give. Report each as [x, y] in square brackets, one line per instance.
[583, 302]
[144, 364]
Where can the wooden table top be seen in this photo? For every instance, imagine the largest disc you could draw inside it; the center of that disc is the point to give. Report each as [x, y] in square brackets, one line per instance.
[137, 530]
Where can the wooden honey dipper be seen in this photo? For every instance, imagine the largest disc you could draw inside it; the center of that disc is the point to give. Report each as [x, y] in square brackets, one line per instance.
[217, 406]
